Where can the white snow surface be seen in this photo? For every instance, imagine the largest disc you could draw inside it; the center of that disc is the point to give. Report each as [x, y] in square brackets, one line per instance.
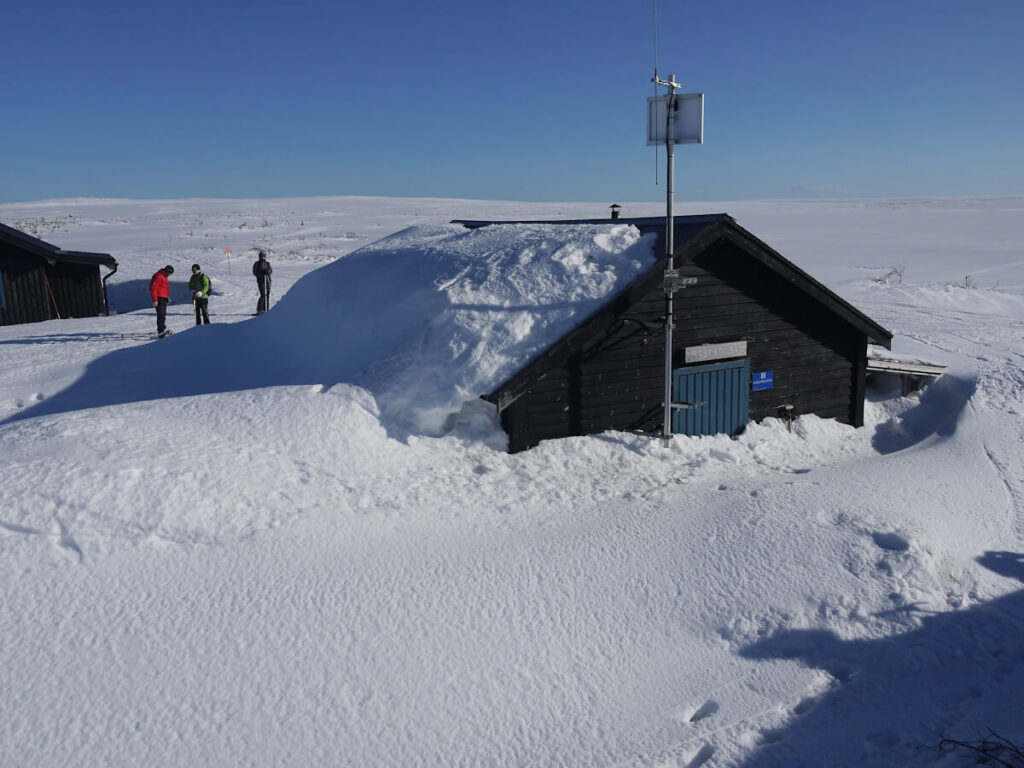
[296, 539]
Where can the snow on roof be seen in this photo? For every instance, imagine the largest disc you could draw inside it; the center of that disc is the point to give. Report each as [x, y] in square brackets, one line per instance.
[435, 316]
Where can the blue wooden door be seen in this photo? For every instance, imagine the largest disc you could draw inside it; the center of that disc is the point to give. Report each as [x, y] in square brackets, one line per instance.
[719, 394]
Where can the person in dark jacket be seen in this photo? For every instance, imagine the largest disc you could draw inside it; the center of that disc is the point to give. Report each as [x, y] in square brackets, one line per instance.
[262, 270]
[160, 292]
[199, 287]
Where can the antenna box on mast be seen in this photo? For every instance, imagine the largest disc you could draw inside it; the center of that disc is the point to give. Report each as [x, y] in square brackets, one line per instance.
[687, 122]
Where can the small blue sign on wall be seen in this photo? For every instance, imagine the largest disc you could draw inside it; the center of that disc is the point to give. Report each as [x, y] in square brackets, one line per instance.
[764, 380]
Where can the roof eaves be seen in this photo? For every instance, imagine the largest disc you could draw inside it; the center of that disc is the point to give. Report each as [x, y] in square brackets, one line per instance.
[86, 257]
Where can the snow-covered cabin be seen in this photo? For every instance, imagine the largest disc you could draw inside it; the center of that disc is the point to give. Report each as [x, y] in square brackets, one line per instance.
[754, 337]
[39, 281]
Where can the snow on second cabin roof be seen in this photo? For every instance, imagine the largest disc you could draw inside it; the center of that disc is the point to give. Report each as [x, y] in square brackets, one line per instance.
[435, 316]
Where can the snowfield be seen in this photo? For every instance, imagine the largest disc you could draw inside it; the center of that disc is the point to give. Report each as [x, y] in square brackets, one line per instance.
[296, 539]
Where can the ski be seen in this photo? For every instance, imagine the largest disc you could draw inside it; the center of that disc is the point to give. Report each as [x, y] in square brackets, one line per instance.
[146, 335]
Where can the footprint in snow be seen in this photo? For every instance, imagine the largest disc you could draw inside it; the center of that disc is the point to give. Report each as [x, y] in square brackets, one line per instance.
[58, 531]
[15, 528]
[773, 736]
[891, 542]
[65, 540]
[705, 711]
[703, 755]
[805, 706]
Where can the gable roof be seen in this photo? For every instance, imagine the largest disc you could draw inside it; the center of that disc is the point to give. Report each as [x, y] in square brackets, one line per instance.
[691, 236]
[51, 253]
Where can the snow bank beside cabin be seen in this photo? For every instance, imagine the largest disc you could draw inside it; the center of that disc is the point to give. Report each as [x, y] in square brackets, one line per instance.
[426, 320]
[436, 316]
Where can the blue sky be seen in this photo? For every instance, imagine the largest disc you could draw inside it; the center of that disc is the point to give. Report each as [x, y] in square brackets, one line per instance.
[522, 100]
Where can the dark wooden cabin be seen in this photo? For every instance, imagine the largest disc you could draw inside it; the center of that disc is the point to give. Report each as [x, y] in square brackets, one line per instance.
[39, 281]
[754, 336]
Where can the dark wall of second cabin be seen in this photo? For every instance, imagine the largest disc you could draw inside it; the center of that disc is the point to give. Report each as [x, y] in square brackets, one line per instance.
[615, 379]
[25, 298]
[34, 290]
[77, 289]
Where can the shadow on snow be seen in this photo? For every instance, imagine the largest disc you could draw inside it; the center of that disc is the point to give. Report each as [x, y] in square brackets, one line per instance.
[957, 670]
[133, 295]
[328, 329]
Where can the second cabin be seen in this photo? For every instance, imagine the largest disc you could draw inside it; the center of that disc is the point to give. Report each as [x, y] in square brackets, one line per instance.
[754, 337]
[39, 281]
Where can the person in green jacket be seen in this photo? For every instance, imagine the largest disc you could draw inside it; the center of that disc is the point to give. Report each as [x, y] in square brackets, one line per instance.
[199, 287]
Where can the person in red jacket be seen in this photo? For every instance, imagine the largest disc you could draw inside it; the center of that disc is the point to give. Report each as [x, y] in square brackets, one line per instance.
[160, 291]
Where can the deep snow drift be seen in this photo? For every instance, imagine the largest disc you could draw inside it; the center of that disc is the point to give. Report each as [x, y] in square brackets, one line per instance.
[248, 545]
[428, 320]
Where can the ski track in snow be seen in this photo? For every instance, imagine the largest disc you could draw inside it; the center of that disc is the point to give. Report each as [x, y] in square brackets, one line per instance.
[281, 575]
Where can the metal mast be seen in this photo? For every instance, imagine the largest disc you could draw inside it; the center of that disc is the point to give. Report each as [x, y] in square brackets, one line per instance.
[683, 123]
[670, 273]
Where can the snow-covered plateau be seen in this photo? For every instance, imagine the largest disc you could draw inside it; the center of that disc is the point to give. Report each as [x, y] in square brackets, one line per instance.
[297, 539]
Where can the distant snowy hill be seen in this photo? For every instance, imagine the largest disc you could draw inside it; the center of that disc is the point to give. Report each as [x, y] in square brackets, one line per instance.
[287, 540]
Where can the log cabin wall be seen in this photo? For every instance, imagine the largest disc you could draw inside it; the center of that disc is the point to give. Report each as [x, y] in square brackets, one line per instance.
[39, 281]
